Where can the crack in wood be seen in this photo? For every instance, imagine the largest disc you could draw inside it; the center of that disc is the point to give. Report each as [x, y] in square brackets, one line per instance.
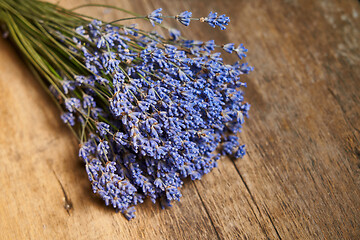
[207, 212]
[67, 203]
[272, 223]
[256, 205]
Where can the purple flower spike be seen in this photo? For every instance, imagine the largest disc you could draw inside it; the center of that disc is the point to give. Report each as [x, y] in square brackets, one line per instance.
[174, 34]
[184, 18]
[240, 51]
[68, 118]
[155, 16]
[229, 47]
[214, 20]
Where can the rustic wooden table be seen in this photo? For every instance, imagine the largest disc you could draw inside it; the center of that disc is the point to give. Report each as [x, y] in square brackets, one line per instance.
[299, 180]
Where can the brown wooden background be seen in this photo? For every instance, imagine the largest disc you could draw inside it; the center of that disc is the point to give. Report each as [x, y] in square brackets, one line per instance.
[299, 180]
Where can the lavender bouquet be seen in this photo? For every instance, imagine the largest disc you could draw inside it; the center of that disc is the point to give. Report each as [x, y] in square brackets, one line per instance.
[148, 110]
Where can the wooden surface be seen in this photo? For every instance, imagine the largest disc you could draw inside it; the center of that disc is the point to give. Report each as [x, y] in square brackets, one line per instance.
[299, 180]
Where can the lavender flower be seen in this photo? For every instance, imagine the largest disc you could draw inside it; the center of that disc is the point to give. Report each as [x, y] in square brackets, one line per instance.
[174, 33]
[103, 128]
[68, 118]
[240, 51]
[72, 103]
[68, 86]
[155, 16]
[184, 18]
[150, 111]
[240, 152]
[228, 47]
[214, 20]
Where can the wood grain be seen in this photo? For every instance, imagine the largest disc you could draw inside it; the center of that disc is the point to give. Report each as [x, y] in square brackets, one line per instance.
[299, 180]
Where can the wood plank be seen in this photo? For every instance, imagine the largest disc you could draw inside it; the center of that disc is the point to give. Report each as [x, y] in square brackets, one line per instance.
[300, 179]
[303, 161]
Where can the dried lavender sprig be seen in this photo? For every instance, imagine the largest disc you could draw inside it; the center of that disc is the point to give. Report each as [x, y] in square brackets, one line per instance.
[138, 121]
[149, 111]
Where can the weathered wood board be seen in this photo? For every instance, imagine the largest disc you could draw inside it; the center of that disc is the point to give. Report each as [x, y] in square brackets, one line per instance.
[299, 180]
